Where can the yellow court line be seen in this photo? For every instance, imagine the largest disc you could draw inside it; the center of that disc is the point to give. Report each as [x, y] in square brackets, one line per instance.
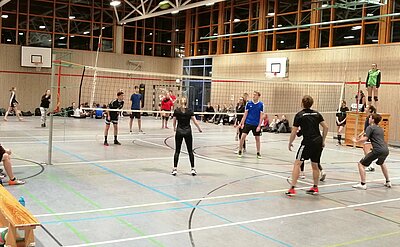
[365, 239]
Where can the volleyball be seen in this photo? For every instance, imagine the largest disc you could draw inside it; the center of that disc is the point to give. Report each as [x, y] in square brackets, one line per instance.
[164, 5]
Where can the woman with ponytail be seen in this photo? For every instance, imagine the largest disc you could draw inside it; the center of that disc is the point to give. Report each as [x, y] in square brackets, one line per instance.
[183, 130]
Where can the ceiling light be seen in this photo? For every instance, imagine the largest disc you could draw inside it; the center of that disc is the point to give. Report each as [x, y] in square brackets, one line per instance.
[4, 16]
[86, 32]
[282, 42]
[370, 14]
[210, 4]
[169, 41]
[236, 20]
[271, 14]
[356, 28]
[324, 5]
[280, 25]
[349, 37]
[175, 12]
[42, 27]
[21, 34]
[182, 47]
[49, 40]
[71, 17]
[72, 36]
[62, 37]
[375, 41]
[8, 40]
[115, 3]
[150, 34]
[177, 30]
[103, 28]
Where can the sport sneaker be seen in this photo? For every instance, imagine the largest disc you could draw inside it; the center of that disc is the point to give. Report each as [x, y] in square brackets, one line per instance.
[239, 154]
[117, 142]
[259, 156]
[141, 132]
[193, 172]
[2, 175]
[360, 186]
[16, 182]
[302, 176]
[174, 172]
[388, 184]
[130, 132]
[322, 176]
[291, 192]
[370, 169]
[313, 191]
[106, 144]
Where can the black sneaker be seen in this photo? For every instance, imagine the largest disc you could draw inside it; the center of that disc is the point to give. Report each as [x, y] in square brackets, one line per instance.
[239, 154]
[117, 142]
[43, 125]
[106, 143]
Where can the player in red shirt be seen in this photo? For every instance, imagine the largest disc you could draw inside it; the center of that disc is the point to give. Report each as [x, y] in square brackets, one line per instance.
[172, 96]
[166, 105]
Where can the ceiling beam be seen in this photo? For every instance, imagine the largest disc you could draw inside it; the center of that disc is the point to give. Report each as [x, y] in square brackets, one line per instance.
[4, 2]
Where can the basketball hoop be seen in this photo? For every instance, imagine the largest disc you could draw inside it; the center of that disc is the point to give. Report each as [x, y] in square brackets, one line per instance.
[38, 66]
[275, 73]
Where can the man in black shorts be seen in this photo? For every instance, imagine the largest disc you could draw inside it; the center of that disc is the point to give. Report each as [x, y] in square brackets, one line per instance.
[112, 117]
[311, 146]
[136, 99]
[380, 151]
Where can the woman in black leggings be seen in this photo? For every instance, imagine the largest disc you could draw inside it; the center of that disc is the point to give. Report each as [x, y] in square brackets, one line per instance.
[183, 115]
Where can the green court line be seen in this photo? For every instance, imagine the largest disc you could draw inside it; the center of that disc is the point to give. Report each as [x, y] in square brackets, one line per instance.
[43, 205]
[365, 239]
[96, 205]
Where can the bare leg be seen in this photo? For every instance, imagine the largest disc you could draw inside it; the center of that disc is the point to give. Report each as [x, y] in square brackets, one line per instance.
[315, 172]
[369, 95]
[115, 129]
[296, 172]
[130, 124]
[385, 172]
[7, 165]
[258, 143]
[242, 140]
[106, 130]
[361, 170]
[375, 95]
[7, 112]
[139, 121]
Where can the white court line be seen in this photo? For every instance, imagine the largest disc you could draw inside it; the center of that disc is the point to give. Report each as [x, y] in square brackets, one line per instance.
[195, 200]
[354, 153]
[235, 223]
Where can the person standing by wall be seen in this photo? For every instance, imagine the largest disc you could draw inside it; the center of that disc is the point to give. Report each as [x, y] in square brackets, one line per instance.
[373, 83]
[13, 105]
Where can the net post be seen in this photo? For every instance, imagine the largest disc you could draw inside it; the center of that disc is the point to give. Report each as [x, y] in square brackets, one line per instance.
[50, 142]
[357, 112]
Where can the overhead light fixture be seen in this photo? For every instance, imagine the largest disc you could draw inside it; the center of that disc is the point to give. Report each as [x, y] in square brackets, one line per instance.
[71, 17]
[103, 28]
[42, 27]
[62, 38]
[4, 16]
[169, 41]
[86, 32]
[282, 42]
[349, 37]
[49, 40]
[20, 34]
[72, 36]
[271, 14]
[375, 41]
[325, 5]
[150, 34]
[177, 30]
[115, 3]
[210, 4]
[8, 40]
[236, 20]
[370, 14]
[280, 25]
[175, 12]
[356, 28]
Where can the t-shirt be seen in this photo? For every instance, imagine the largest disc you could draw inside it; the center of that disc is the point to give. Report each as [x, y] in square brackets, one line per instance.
[115, 104]
[254, 110]
[136, 98]
[376, 136]
[166, 104]
[45, 101]
[308, 120]
[173, 98]
[183, 118]
[342, 113]
[240, 109]
[99, 113]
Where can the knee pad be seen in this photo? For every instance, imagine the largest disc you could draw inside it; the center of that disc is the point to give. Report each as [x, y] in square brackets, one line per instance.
[375, 98]
[369, 98]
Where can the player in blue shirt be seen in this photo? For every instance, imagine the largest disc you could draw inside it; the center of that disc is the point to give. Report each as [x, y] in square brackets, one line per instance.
[251, 121]
[136, 99]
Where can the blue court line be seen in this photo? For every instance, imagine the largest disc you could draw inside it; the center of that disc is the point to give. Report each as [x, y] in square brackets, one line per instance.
[160, 210]
[162, 193]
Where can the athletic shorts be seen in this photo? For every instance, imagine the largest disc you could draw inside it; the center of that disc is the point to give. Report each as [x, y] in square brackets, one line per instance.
[113, 121]
[371, 156]
[136, 115]
[343, 124]
[310, 152]
[2, 152]
[247, 128]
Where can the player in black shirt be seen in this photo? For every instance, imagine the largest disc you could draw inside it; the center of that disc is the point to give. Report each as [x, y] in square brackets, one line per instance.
[240, 108]
[341, 117]
[182, 116]
[112, 117]
[311, 146]
[44, 106]
[12, 106]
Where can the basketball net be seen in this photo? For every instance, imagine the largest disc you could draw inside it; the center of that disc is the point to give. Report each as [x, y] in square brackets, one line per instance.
[275, 73]
[38, 66]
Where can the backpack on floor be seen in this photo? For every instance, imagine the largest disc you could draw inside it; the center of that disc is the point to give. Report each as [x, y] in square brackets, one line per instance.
[37, 112]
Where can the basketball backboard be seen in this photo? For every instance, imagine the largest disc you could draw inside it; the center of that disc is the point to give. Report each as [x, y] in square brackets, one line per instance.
[35, 56]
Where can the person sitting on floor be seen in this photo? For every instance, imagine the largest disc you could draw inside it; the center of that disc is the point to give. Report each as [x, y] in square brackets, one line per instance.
[5, 155]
